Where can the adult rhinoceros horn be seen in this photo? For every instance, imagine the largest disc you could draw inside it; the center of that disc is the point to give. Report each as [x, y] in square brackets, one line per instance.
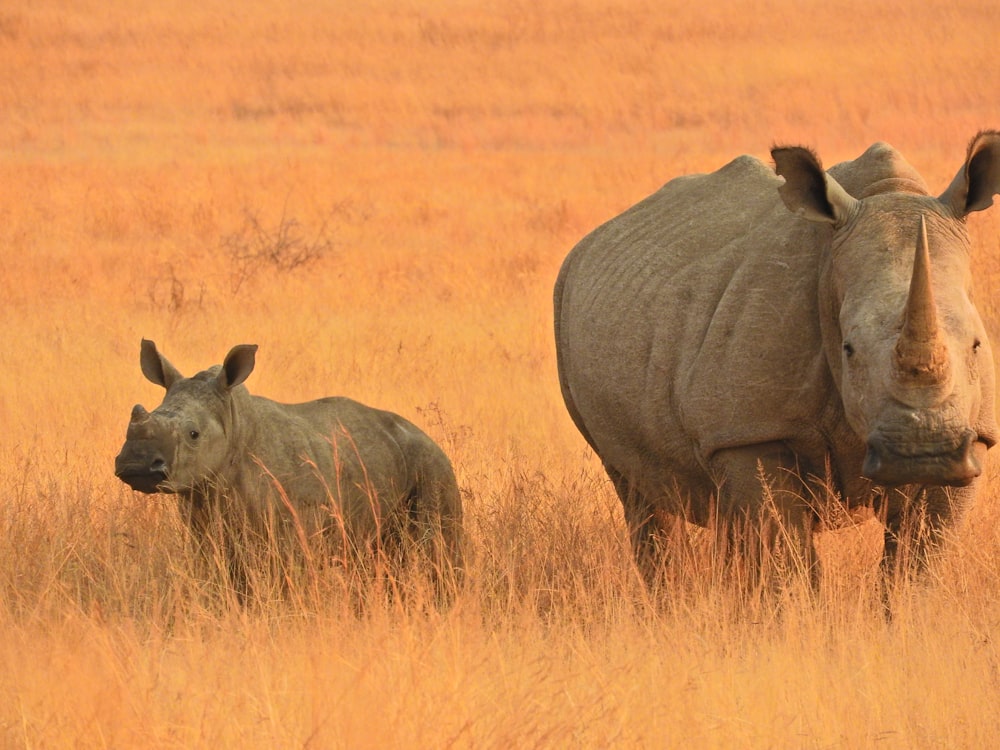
[921, 355]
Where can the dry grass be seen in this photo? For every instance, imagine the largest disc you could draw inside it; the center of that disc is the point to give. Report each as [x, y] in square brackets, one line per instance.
[437, 165]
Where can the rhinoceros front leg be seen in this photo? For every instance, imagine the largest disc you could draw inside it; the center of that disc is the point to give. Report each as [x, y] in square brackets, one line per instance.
[915, 523]
[762, 508]
[218, 539]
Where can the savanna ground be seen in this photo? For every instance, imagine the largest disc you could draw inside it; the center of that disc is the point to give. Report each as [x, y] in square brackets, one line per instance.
[380, 195]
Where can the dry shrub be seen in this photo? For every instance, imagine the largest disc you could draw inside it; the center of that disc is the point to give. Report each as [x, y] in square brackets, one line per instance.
[255, 248]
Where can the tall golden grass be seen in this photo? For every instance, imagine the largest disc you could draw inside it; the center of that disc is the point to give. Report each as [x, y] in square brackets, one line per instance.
[434, 164]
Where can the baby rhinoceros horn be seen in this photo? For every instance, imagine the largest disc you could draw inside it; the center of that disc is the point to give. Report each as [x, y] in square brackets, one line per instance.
[921, 354]
[141, 464]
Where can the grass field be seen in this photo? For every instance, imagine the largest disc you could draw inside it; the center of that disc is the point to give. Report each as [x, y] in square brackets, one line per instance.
[428, 166]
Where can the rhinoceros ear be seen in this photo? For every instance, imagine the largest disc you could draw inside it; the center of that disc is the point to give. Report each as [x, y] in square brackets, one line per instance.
[155, 366]
[808, 191]
[238, 365]
[979, 178]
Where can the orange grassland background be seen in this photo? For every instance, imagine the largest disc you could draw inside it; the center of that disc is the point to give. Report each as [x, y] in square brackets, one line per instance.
[428, 166]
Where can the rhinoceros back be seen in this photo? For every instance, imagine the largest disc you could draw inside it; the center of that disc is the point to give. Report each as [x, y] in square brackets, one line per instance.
[688, 324]
[339, 445]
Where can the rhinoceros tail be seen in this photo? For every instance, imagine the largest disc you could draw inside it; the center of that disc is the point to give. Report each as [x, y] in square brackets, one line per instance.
[561, 354]
[435, 509]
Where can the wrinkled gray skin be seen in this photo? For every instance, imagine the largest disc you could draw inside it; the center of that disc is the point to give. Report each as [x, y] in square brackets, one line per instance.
[350, 472]
[736, 319]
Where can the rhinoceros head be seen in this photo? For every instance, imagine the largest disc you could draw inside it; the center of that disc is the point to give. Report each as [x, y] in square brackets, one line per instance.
[904, 342]
[184, 443]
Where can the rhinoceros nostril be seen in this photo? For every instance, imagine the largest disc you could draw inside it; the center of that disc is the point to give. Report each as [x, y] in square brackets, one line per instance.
[158, 465]
[896, 464]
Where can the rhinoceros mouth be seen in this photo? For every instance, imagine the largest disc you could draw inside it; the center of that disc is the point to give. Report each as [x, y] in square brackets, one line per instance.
[146, 481]
[954, 466]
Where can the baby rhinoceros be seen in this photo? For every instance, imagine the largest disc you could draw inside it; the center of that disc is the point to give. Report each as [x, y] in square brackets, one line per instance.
[330, 470]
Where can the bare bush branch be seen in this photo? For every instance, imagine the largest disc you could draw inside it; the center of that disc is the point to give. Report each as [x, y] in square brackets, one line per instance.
[168, 291]
[284, 247]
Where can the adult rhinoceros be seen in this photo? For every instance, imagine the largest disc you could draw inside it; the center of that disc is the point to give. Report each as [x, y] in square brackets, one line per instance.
[330, 468]
[819, 326]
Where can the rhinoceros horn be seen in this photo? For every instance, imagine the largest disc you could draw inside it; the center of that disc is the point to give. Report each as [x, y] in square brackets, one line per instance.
[139, 414]
[921, 355]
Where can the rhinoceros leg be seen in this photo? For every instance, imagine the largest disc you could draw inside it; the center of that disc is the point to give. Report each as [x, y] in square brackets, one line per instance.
[761, 506]
[919, 522]
[435, 520]
[217, 536]
[651, 528]
[439, 526]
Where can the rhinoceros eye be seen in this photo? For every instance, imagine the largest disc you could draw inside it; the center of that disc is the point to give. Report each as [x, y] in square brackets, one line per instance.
[848, 349]
[976, 345]
[194, 434]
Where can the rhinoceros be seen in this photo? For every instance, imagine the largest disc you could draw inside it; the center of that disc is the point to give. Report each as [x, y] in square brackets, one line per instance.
[331, 469]
[736, 337]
